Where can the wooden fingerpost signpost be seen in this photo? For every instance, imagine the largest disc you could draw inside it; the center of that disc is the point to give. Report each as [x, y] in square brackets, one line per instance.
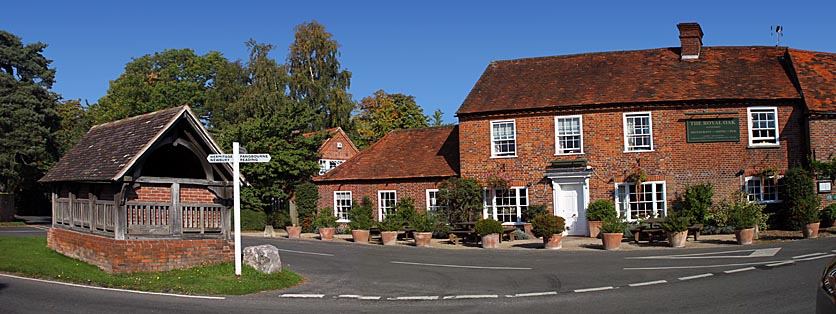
[235, 158]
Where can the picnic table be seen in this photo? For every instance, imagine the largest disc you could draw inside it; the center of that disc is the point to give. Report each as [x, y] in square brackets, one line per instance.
[653, 230]
[465, 230]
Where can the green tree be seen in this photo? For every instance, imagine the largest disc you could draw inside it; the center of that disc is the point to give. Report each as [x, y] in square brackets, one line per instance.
[461, 198]
[268, 121]
[73, 124]
[316, 79]
[802, 201]
[163, 80]
[28, 116]
[382, 112]
[437, 118]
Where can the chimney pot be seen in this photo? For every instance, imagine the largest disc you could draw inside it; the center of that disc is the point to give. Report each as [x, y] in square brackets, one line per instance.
[690, 36]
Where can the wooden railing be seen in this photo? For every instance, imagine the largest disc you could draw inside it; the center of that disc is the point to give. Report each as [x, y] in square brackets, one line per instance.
[141, 218]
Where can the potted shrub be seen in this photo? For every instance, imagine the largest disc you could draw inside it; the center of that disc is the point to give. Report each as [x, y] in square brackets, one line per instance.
[424, 226]
[800, 188]
[743, 216]
[612, 229]
[550, 228]
[489, 230]
[676, 225]
[294, 232]
[389, 230]
[828, 215]
[361, 221]
[327, 223]
[596, 212]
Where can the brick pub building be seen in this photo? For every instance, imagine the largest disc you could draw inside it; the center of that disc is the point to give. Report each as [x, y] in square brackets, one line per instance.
[567, 130]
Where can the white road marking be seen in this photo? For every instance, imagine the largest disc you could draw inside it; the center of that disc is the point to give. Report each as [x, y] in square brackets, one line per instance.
[697, 266]
[816, 257]
[531, 294]
[462, 266]
[696, 276]
[358, 297]
[594, 289]
[648, 283]
[118, 290]
[473, 296]
[710, 255]
[732, 271]
[303, 252]
[302, 296]
[807, 255]
[780, 263]
[415, 298]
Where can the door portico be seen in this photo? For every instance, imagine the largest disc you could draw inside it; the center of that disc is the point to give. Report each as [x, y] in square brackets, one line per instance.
[570, 197]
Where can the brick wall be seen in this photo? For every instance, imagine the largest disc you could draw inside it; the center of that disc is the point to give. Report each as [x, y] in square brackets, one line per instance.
[823, 145]
[196, 195]
[330, 150]
[162, 193]
[673, 160]
[125, 256]
[415, 189]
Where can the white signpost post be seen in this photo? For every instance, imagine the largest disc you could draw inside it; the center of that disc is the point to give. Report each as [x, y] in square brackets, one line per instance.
[235, 158]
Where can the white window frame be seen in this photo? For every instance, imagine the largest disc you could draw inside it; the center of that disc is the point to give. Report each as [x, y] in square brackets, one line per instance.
[770, 142]
[491, 210]
[494, 140]
[557, 136]
[628, 133]
[340, 210]
[381, 209]
[760, 196]
[432, 202]
[624, 209]
[325, 165]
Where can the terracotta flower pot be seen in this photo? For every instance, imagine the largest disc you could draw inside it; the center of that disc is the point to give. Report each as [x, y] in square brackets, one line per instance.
[294, 232]
[389, 237]
[677, 239]
[612, 241]
[360, 236]
[422, 239]
[744, 236]
[555, 242]
[595, 228]
[490, 241]
[326, 233]
[811, 230]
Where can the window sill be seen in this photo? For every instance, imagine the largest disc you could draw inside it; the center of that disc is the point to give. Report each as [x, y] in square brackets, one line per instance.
[570, 154]
[343, 221]
[503, 157]
[771, 202]
[764, 146]
[639, 151]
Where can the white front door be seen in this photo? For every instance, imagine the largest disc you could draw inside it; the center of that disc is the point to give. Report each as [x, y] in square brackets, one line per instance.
[569, 203]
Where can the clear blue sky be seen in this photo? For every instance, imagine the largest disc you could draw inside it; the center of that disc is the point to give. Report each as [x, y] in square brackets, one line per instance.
[433, 50]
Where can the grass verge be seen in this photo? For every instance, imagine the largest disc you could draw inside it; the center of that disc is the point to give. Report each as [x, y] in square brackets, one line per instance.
[30, 257]
[12, 224]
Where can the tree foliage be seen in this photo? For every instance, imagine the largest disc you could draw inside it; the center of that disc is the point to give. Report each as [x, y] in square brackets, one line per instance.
[270, 123]
[802, 200]
[462, 198]
[74, 123]
[28, 116]
[163, 80]
[437, 119]
[382, 112]
[316, 79]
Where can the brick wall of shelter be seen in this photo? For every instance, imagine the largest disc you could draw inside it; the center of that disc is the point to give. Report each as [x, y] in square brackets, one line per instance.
[162, 193]
[672, 160]
[415, 189]
[127, 256]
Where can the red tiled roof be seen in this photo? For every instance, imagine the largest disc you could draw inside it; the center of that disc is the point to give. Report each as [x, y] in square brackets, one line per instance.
[330, 131]
[817, 76]
[402, 154]
[655, 75]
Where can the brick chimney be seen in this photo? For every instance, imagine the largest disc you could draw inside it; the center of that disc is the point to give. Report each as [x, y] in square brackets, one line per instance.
[690, 35]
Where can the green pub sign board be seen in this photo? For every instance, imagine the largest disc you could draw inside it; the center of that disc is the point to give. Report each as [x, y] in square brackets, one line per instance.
[712, 130]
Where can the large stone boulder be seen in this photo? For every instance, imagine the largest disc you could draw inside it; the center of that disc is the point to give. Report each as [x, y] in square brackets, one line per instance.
[264, 258]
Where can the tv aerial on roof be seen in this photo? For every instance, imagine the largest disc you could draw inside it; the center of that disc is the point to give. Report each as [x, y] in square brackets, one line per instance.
[778, 32]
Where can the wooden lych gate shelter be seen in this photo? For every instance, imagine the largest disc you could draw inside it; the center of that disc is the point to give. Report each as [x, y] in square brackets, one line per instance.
[139, 195]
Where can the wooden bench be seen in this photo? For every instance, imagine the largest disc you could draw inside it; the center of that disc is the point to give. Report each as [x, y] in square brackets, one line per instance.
[456, 235]
[650, 233]
[509, 231]
[695, 231]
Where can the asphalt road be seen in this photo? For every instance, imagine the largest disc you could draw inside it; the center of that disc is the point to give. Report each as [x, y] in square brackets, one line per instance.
[771, 278]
